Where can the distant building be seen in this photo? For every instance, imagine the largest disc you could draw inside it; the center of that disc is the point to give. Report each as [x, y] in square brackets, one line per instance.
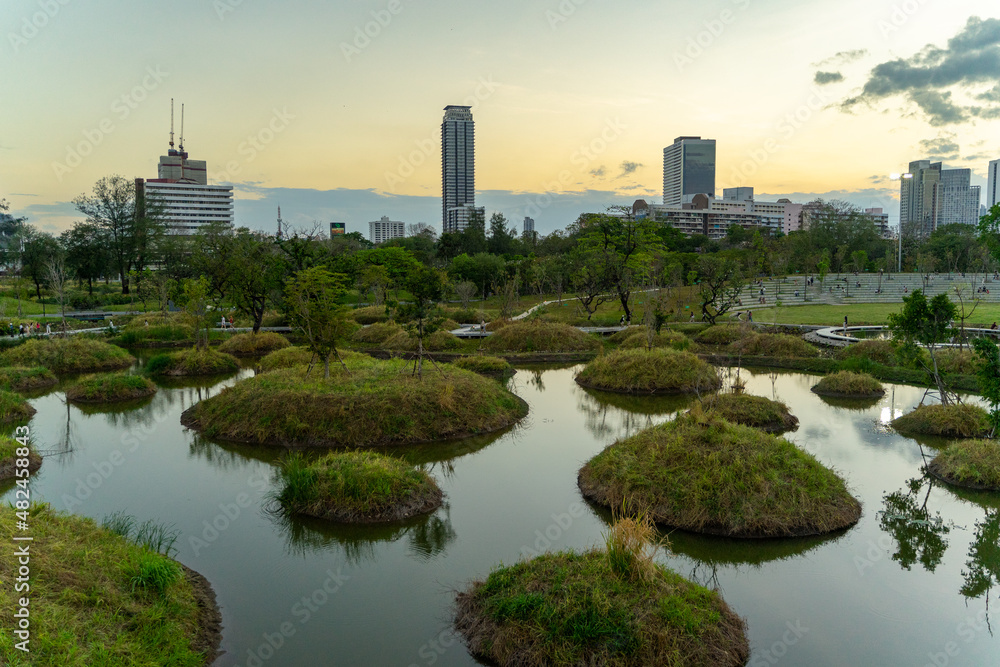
[699, 218]
[737, 194]
[881, 220]
[382, 230]
[959, 198]
[529, 225]
[688, 170]
[781, 216]
[457, 218]
[930, 196]
[993, 184]
[458, 166]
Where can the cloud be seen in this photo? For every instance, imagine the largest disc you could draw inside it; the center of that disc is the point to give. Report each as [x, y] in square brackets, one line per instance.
[949, 86]
[599, 172]
[824, 78]
[629, 168]
[942, 147]
[843, 58]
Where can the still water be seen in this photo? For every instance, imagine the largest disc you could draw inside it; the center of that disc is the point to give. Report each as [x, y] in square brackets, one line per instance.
[909, 585]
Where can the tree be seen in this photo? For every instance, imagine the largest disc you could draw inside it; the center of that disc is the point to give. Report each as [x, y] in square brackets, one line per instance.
[87, 253]
[255, 271]
[40, 250]
[988, 374]
[501, 239]
[465, 291]
[720, 283]
[926, 323]
[56, 271]
[426, 287]
[589, 284]
[197, 301]
[112, 208]
[313, 299]
[859, 259]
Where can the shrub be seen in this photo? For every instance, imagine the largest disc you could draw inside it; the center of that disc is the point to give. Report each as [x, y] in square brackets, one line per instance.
[540, 337]
[193, 361]
[73, 354]
[773, 345]
[154, 573]
[376, 334]
[874, 349]
[18, 378]
[849, 385]
[249, 344]
[466, 315]
[657, 371]
[970, 463]
[110, 387]
[951, 421]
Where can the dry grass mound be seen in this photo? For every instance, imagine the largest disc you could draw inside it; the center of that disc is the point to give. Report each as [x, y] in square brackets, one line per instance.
[250, 344]
[376, 404]
[290, 357]
[953, 360]
[663, 339]
[435, 342]
[357, 487]
[536, 336]
[756, 411]
[875, 349]
[704, 474]
[369, 315]
[773, 345]
[376, 334]
[949, 421]
[193, 362]
[110, 388]
[19, 378]
[657, 371]
[485, 365]
[974, 464]
[73, 354]
[620, 337]
[723, 334]
[846, 384]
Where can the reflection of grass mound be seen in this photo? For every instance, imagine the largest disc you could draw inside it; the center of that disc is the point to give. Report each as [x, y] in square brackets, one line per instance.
[435, 342]
[74, 354]
[974, 464]
[602, 607]
[704, 474]
[663, 339]
[110, 388]
[854, 404]
[845, 384]
[722, 334]
[357, 487]
[193, 361]
[98, 599]
[657, 371]
[379, 403]
[249, 344]
[537, 336]
[875, 349]
[302, 356]
[773, 345]
[485, 365]
[13, 408]
[376, 334]
[755, 411]
[951, 421]
[18, 378]
[10, 451]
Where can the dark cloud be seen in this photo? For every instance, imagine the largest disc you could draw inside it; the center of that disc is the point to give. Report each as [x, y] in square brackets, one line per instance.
[599, 172]
[824, 78]
[931, 78]
[942, 147]
[628, 168]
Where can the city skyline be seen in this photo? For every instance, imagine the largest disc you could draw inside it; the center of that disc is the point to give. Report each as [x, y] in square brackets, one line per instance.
[561, 130]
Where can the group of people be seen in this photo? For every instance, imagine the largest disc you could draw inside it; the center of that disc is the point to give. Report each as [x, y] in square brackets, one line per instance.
[27, 329]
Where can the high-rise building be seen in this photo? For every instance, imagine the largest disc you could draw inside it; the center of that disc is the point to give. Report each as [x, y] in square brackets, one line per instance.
[458, 167]
[993, 184]
[529, 225]
[385, 229]
[688, 170]
[881, 221]
[930, 197]
[959, 198]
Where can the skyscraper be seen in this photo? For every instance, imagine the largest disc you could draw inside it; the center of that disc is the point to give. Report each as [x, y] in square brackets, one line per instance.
[993, 184]
[458, 167]
[930, 197]
[688, 170]
[959, 198]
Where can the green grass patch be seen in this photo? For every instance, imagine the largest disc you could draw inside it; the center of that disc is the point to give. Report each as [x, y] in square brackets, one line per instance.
[138, 336]
[291, 357]
[537, 336]
[192, 361]
[378, 403]
[110, 388]
[485, 365]
[950, 421]
[252, 344]
[657, 371]
[970, 463]
[847, 384]
[19, 378]
[704, 474]
[756, 411]
[10, 451]
[356, 487]
[98, 599]
[14, 409]
[772, 345]
[73, 354]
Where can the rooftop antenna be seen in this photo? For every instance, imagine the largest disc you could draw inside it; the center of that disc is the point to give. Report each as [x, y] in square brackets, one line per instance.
[182, 128]
[171, 122]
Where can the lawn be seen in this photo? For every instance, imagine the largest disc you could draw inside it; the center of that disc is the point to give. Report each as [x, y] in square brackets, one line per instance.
[857, 314]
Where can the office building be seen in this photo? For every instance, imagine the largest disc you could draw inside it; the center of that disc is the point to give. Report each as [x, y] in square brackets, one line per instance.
[458, 167]
[780, 216]
[930, 197]
[737, 194]
[458, 218]
[699, 218]
[382, 230]
[959, 198]
[993, 184]
[529, 225]
[881, 221]
[688, 170]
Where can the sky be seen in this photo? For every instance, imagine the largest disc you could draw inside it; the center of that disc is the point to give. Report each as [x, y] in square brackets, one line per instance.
[332, 110]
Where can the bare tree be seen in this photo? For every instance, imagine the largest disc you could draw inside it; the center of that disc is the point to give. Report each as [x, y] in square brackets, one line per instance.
[465, 291]
[56, 274]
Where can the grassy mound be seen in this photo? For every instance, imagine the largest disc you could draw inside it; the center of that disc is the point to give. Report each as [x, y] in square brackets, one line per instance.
[13, 408]
[19, 378]
[73, 354]
[602, 607]
[845, 384]
[369, 315]
[773, 345]
[755, 411]
[484, 365]
[435, 342]
[110, 387]
[704, 474]
[950, 421]
[249, 344]
[380, 403]
[875, 349]
[357, 487]
[466, 315]
[192, 361]
[951, 360]
[10, 451]
[138, 334]
[539, 336]
[722, 334]
[620, 337]
[657, 371]
[376, 334]
[290, 357]
[974, 464]
[98, 599]
[663, 339]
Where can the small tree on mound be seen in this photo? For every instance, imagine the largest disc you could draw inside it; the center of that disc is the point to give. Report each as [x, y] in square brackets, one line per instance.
[720, 282]
[927, 323]
[196, 293]
[313, 299]
[988, 373]
[426, 286]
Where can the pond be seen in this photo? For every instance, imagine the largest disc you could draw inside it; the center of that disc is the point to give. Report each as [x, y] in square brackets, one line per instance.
[909, 584]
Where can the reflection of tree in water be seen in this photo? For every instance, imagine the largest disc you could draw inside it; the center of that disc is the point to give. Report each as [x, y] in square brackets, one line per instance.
[608, 415]
[919, 535]
[229, 456]
[984, 558]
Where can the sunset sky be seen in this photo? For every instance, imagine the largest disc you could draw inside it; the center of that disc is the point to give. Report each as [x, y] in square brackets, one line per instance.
[575, 98]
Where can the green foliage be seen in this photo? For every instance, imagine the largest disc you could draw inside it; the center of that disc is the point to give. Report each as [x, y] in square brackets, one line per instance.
[875, 349]
[376, 334]
[988, 375]
[154, 573]
[484, 365]
[313, 300]
[773, 345]
[192, 362]
[722, 334]
[756, 411]
[13, 408]
[17, 378]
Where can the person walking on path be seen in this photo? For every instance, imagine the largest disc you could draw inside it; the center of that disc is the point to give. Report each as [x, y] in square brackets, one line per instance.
[48, 329]
[750, 316]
